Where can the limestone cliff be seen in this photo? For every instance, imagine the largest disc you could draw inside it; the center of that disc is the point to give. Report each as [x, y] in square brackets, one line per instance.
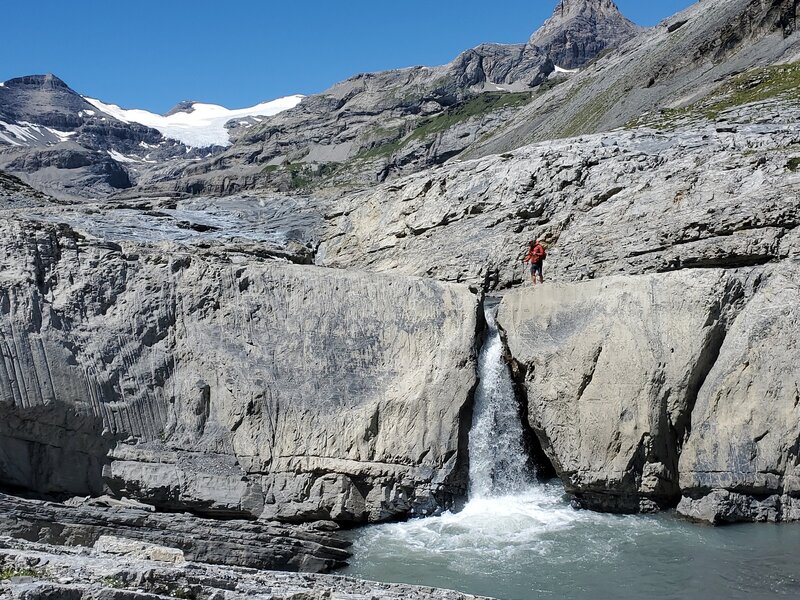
[741, 460]
[221, 383]
[611, 369]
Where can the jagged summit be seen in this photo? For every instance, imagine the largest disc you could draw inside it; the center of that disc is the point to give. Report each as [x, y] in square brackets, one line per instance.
[580, 29]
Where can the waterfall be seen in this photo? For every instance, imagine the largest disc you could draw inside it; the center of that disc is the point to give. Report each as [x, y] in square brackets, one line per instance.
[512, 523]
[498, 462]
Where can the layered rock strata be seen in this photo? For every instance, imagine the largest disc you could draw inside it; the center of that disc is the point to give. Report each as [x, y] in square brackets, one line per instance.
[227, 384]
[122, 527]
[41, 572]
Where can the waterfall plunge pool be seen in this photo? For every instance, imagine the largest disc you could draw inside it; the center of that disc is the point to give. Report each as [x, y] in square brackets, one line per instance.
[518, 539]
[535, 545]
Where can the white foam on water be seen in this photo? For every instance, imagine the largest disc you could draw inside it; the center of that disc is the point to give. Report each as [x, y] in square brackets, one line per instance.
[510, 515]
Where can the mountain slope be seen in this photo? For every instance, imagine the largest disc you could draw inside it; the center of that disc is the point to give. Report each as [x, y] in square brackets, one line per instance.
[56, 140]
[80, 147]
[377, 126]
[683, 59]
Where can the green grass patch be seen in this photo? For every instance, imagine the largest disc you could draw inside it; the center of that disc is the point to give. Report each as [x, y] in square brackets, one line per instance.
[479, 105]
[755, 85]
[379, 151]
[7, 573]
[793, 164]
[476, 106]
[591, 113]
[112, 582]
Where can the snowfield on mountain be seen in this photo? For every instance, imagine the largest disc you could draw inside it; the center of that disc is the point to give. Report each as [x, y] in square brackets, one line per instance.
[198, 125]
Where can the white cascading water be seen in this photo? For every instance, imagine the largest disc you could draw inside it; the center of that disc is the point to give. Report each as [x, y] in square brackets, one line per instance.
[498, 465]
[509, 514]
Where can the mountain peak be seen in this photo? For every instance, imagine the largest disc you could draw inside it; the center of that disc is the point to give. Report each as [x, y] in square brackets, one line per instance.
[47, 81]
[571, 6]
[580, 29]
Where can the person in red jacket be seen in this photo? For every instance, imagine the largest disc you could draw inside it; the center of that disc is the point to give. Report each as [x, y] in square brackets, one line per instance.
[536, 255]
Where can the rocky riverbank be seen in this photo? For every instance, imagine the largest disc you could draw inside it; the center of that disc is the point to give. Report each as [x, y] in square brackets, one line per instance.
[122, 570]
[311, 548]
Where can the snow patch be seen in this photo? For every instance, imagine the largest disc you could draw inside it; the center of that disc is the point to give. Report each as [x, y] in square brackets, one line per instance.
[9, 140]
[563, 70]
[202, 127]
[23, 133]
[121, 157]
[86, 113]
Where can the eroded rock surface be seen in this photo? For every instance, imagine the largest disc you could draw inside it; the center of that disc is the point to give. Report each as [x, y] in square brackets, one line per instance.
[216, 381]
[625, 202]
[611, 369]
[741, 461]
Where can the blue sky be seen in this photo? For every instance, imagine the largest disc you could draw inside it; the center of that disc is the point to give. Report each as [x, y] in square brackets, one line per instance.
[152, 54]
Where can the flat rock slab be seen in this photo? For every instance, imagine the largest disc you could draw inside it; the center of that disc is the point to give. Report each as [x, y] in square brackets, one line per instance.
[174, 538]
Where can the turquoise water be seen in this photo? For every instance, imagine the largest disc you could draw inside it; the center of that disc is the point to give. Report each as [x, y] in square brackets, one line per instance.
[536, 546]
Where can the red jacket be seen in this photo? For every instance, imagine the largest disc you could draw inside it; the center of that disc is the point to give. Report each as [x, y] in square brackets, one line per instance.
[536, 255]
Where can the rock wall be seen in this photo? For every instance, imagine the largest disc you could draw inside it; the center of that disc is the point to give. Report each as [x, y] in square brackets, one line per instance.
[222, 383]
[742, 460]
[611, 368]
[647, 390]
